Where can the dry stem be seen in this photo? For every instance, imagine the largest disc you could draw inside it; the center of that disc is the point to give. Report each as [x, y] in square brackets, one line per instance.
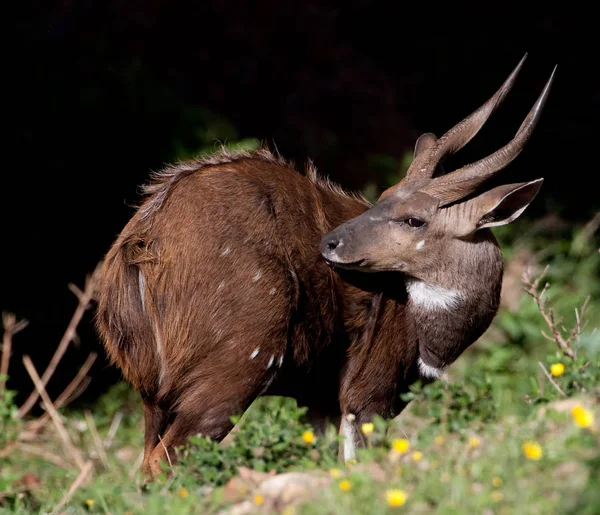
[166, 451]
[71, 449]
[96, 437]
[552, 381]
[11, 327]
[563, 342]
[75, 485]
[61, 400]
[70, 334]
[136, 464]
[112, 430]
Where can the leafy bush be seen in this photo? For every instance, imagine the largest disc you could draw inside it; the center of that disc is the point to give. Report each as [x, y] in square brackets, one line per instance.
[272, 438]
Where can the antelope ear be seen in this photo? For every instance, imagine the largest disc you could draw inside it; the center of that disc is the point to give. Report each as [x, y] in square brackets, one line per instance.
[424, 142]
[498, 206]
[503, 204]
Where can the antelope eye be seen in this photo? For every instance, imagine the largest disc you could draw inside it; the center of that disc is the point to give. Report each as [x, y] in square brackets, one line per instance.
[414, 222]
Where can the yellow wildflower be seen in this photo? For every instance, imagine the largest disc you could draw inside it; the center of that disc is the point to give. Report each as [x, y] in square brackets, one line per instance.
[532, 450]
[395, 497]
[583, 417]
[345, 485]
[335, 473]
[557, 369]
[474, 442]
[183, 493]
[308, 436]
[258, 499]
[90, 502]
[497, 481]
[438, 440]
[367, 428]
[400, 445]
[417, 456]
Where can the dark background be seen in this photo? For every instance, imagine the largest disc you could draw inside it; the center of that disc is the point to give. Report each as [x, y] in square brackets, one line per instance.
[102, 92]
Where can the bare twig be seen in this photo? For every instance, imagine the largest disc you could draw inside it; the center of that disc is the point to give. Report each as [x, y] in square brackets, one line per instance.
[70, 334]
[112, 430]
[11, 327]
[552, 381]
[8, 449]
[87, 467]
[563, 342]
[136, 464]
[96, 437]
[63, 399]
[71, 449]
[166, 451]
[591, 227]
[81, 387]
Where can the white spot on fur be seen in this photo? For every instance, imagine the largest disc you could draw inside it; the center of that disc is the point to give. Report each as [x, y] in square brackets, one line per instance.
[142, 286]
[350, 417]
[160, 352]
[281, 360]
[257, 276]
[255, 353]
[272, 291]
[429, 371]
[430, 296]
[348, 432]
[420, 245]
[267, 384]
[226, 251]
[221, 285]
[271, 361]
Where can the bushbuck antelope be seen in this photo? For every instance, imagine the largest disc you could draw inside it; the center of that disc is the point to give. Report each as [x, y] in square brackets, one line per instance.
[239, 276]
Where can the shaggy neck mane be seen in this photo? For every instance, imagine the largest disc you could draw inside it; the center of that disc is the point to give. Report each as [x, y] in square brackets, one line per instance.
[161, 182]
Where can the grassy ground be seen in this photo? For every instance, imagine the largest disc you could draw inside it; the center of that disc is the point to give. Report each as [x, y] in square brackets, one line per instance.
[498, 435]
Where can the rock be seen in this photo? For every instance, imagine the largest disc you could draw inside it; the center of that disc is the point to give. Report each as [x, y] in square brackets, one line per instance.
[293, 486]
[243, 508]
[236, 489]
[254, 476]
[30, 481]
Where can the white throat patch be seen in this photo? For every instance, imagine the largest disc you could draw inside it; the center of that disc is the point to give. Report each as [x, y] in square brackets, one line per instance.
[430, 296]
[429, 371]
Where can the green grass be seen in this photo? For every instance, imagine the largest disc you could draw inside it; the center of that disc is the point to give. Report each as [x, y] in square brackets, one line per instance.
[468, 431]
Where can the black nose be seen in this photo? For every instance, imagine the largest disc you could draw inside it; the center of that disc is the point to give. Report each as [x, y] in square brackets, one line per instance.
[329, 243]
[332, 244]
